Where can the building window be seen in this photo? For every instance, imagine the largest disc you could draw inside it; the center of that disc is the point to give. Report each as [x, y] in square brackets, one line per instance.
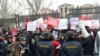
[65, 9]
[61, 10]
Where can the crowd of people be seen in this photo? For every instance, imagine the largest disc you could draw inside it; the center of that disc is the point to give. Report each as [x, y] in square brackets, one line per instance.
[66, 42]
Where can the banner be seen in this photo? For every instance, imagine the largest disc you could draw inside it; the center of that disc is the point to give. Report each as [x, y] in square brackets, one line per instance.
[93, 24]
[31, 26]
[43, 27]
[52, 21]
[39, 22]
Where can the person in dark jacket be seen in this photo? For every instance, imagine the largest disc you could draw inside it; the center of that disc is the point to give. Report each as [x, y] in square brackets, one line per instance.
[2, 46]
[88, 43]
[45, 46]
[55, 43]
[25, 46]
[72, 47]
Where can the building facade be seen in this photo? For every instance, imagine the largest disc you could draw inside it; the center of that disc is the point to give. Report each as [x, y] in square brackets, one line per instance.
[65, 10]
[87, 10]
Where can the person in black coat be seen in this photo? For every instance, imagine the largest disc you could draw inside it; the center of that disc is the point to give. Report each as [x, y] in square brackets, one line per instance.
[88, 43]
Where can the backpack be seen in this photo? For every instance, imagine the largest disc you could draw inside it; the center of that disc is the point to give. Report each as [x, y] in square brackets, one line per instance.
[2, 47]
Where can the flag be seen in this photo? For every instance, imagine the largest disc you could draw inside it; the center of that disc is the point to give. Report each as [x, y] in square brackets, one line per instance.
[52, 22]
[26, 22]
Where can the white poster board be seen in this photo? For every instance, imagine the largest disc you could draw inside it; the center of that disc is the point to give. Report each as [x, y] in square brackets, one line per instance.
[93, 24]
[31, 26]
[63, 24]
[74, 21]
[84, 31]
[39, 22]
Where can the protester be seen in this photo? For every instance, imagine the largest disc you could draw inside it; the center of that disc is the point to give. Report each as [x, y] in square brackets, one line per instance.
[72, 47]
[79, 37]
[25, 47]
[88, 43]
[45, 46]
[2, 46]
[9, 39]
[15, 48]
[55, 44]
[62, 39]
[50, 42]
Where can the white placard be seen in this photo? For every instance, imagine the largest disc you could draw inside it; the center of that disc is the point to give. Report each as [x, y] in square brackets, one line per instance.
[43, 27]
[84, 31]
[39, 22]
[63, 24]
[31, 26]
[93, 24]
[74, 21]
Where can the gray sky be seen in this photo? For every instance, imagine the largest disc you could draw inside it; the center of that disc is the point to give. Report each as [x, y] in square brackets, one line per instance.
[74, 2]
[54, 6]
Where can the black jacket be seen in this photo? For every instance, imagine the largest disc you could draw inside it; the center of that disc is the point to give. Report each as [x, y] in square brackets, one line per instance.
[72, 48]
[88, 45]
[45, 48]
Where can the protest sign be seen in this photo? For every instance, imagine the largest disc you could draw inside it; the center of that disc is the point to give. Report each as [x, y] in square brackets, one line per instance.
[93, 24]
[31, 26]
[74, 21]
[62, 24]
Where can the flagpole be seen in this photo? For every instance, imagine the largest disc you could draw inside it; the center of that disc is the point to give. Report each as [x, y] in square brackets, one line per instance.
[17, 20]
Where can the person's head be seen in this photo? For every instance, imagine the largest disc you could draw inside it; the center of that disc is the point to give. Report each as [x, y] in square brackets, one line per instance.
[2, 38]
[69, 25]
[10, 38]
[87, 28]
[70, 35]
[78, 36]
[51, 37]
[23, 41]
[52, 29]
[62, 37]
[45, 35]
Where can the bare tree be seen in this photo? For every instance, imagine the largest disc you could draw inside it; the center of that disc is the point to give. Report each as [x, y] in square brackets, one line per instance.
[8, 9]
[3, 9]
[36, 5]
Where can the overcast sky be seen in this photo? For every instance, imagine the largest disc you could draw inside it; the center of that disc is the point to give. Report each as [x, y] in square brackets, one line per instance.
[54, 5]
[74, 2]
